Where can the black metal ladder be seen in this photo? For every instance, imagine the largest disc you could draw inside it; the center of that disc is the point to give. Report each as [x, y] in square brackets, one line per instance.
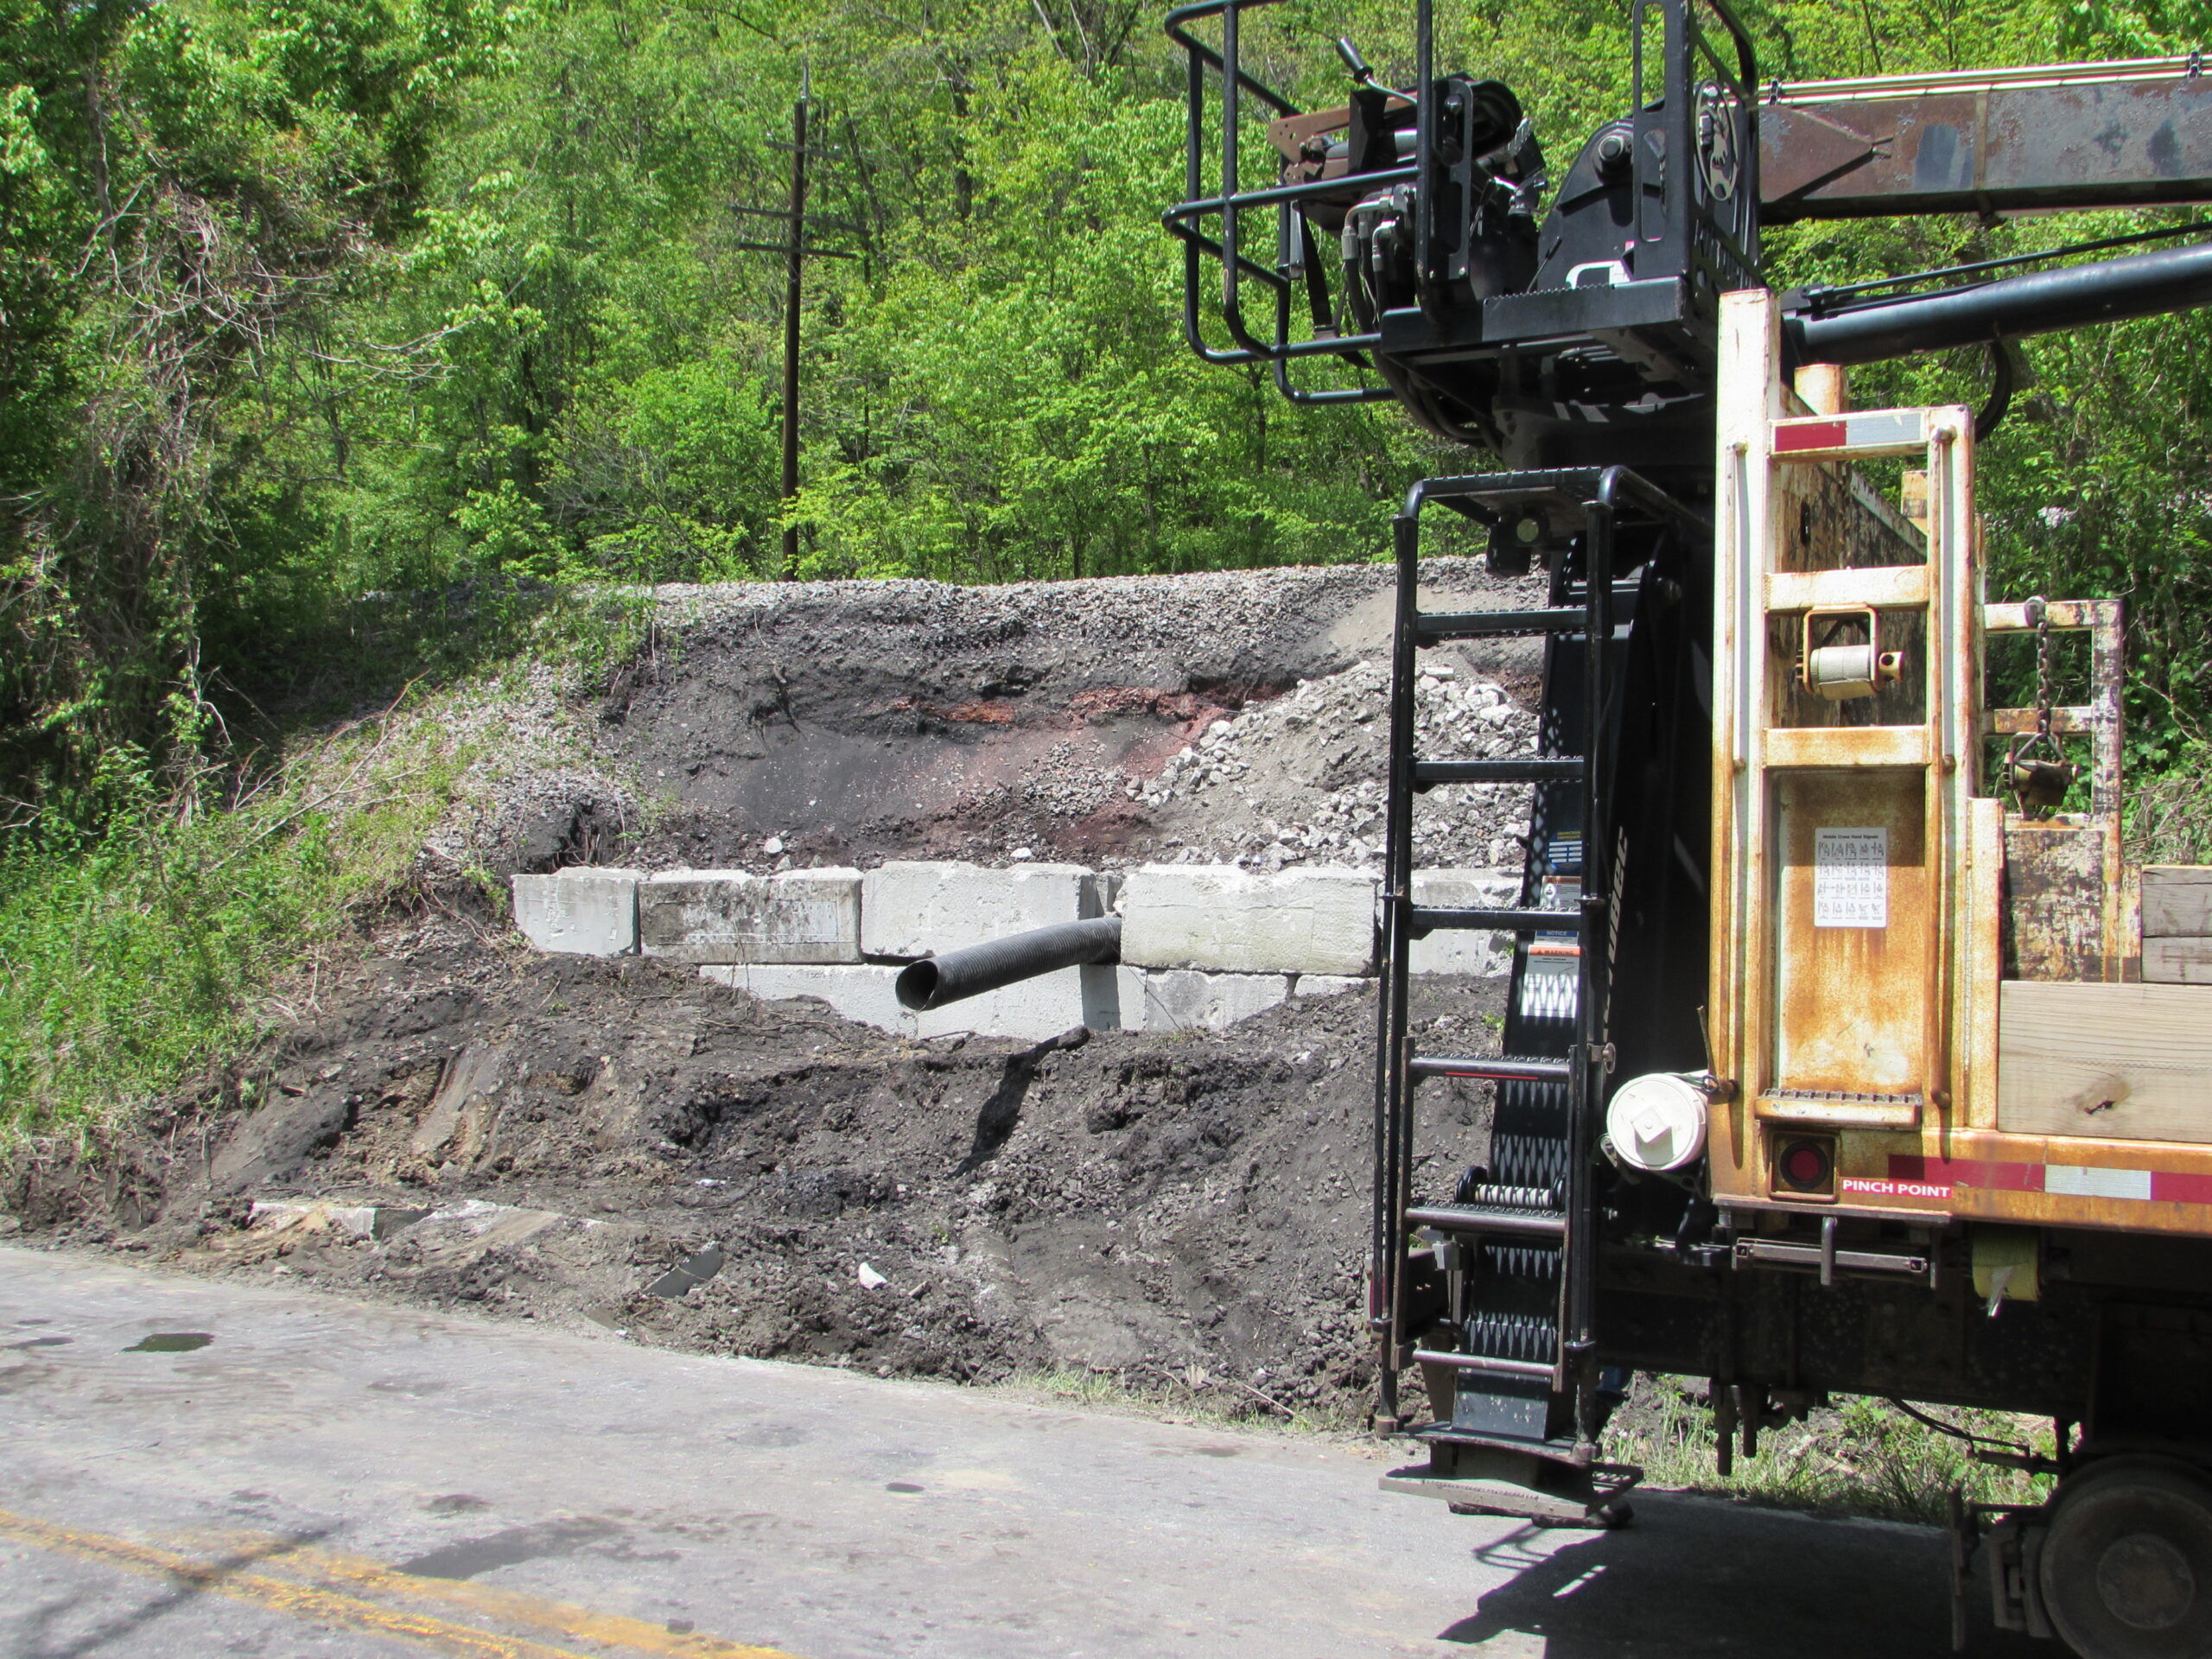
[1516, 1235]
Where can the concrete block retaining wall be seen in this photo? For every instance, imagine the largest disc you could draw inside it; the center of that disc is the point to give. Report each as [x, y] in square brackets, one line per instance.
[581, 912]
[1203, 946]
[722, 916]
[1035, 1009]
[1219, 918]
[920, 910]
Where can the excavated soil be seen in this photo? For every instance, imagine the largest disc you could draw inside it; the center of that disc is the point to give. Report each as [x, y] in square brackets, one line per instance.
[454, 1120]
[546, 1139]
[769, 725]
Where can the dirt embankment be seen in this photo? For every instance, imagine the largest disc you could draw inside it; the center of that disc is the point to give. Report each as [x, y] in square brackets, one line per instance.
[771, 725]
[451, 1120]
[544, 1139]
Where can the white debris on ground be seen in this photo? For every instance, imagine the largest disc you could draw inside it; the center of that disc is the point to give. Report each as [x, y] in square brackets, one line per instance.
[1299, 779]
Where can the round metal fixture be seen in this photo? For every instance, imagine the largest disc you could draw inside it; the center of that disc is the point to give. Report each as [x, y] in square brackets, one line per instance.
[1806, 1165]
[1656, 1121]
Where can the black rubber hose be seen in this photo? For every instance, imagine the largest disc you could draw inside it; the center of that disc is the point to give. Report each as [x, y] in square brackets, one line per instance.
[2108, 291]
[935, 981]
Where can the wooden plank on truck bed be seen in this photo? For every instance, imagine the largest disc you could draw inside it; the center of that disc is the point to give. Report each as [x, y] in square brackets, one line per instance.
[2176, 900]
[2177, 962]
[2110, 1062]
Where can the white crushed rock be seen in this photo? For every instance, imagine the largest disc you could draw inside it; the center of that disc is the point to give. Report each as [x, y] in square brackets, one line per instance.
[528, 777]
[1299, 779]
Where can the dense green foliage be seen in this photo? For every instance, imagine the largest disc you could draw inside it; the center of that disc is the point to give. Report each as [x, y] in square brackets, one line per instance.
[334, 333]
[303, 302]
[132, 956]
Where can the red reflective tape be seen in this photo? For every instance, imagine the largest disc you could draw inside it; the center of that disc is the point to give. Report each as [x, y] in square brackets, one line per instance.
[1967, 1171]
[1811, 435]
[2170, 1186]
[2167, 1186]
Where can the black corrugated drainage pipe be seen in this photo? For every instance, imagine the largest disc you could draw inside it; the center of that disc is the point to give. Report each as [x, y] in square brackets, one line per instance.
[935, 981]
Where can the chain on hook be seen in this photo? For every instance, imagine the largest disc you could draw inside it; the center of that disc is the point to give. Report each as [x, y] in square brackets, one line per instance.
[2036, 767]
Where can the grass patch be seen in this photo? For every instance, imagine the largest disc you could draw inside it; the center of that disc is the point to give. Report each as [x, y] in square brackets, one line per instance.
[1861, 1456]
[134, 957]
[131, 959]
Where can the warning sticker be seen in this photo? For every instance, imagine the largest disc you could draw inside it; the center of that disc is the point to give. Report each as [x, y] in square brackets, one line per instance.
[1874, 1186]
[1851, 878]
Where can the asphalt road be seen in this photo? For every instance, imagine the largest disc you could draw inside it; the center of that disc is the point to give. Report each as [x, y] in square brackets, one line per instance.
[323, 1478]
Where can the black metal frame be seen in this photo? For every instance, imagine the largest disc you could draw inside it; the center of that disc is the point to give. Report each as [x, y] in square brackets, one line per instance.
[1181, 220]
[1691, 246]
[1604, 494]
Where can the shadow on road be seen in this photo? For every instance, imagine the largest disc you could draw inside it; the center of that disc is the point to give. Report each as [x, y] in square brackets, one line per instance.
[1696, 1576]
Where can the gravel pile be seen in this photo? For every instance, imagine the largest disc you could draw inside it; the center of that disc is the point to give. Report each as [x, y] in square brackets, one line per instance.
[1299, 779]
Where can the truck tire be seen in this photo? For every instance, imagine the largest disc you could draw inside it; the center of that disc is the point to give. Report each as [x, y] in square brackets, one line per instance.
[2126, 1564]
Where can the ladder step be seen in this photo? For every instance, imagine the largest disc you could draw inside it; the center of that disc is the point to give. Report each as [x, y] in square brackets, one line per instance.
[1529, 769]
[1424, 920]
[1478, 1218]
[1434, 627]
[1496, 1071]
[1529, 1368]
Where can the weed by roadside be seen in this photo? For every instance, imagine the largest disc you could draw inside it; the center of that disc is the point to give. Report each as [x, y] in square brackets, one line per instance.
[1859, 1456]
[137, 951]
[2169, 815]
[132, 957]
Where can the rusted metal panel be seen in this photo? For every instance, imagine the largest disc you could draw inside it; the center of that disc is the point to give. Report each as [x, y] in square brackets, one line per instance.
[1833, 1109]
[1844, 829]
[1819, 1033]
[1993, 147]
[2061, 880]
[1851, 747]
[1981, 936]
[1886, 587]
[1852, 1013]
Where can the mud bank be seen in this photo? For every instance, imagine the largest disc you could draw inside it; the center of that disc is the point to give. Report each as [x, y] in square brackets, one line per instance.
[546, 1139]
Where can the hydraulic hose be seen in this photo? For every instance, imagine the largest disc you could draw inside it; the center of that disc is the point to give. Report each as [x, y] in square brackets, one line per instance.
[935, 981]
[2108, 291]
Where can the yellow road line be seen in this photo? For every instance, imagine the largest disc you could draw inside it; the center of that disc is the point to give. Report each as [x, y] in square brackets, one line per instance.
[282, 1595]
[561, 1618]
[228, 1576]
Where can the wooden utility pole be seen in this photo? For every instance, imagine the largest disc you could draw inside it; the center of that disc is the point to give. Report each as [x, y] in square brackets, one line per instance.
[793, 262]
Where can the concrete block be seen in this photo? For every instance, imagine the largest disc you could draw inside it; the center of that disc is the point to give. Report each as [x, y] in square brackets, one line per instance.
[1222, 920]
[580, 912]
[1456, 951]
[1327, 984]
[1178, 999]
[1035, 1009]
[865, 993]
[861, 992]
[729, 916]
[918, 909]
